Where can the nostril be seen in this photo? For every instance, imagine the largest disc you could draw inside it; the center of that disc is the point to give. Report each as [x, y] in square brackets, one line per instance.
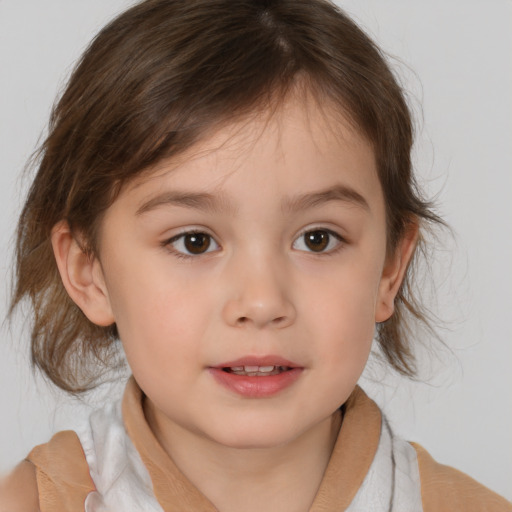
[276, 321]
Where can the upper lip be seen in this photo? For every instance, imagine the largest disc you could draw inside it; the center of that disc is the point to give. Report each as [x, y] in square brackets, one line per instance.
[269, 360]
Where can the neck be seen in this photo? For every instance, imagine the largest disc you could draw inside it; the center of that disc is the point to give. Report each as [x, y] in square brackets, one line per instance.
[284, 477]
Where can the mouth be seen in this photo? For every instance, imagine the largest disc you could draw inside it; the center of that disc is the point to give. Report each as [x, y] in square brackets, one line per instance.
[256, 371]
[257, 377]
[258, 366]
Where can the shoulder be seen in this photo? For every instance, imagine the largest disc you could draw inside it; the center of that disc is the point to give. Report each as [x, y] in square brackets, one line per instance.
[18, 491]
[62, 473]
[55, 476]
[444, 489]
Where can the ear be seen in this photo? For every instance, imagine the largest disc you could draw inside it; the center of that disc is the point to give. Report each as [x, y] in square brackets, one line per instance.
[393, 273]
[81, 275]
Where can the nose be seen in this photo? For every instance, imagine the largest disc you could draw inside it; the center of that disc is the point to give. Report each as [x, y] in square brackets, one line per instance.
[258, 297]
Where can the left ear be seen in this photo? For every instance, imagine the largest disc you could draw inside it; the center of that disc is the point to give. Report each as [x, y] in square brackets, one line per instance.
[394, 271]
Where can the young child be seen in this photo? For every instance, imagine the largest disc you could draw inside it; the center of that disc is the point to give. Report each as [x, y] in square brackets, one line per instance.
[226, 195]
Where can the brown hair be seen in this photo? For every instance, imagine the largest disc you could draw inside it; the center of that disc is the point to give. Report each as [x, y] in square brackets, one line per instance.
[151, 84]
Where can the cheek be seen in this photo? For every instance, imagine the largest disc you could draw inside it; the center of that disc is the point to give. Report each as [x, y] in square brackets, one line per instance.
[160, 320]
[342, 316]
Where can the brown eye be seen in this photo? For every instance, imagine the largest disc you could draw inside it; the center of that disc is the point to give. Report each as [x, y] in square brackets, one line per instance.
[197, 243]
[318, 240]
[192, 244]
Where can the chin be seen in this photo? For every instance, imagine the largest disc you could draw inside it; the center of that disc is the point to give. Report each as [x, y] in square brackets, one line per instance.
[255, 434]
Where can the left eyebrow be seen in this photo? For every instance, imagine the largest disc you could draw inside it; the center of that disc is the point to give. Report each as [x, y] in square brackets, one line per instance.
[341, 193]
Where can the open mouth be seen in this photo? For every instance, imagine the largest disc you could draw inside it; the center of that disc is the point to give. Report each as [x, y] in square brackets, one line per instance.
[256, 371]
[257, 377]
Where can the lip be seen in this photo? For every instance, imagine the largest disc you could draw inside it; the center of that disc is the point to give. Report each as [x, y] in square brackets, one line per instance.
[268, 360]
[257, 386]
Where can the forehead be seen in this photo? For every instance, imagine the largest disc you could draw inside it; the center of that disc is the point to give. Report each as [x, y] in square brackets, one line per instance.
[300, 147]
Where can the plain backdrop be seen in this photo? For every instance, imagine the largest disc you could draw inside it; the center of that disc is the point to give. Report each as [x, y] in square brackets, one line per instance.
[455, 58]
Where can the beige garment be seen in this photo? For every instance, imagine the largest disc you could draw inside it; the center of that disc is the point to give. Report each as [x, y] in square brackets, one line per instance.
[63, 478]
[64, 481]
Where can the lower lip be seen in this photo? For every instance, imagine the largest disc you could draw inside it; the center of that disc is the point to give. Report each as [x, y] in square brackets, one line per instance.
[258, 386]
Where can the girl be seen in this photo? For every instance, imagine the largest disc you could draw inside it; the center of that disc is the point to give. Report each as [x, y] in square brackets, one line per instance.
[226, 189]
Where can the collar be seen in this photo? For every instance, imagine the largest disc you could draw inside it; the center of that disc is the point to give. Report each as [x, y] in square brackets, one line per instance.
[353, 453]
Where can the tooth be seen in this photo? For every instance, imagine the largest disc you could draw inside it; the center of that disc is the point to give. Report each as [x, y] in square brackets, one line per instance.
[254, 371]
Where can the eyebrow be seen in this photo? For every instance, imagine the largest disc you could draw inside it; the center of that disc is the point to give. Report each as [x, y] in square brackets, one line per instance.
[340, 193]
[210, 203]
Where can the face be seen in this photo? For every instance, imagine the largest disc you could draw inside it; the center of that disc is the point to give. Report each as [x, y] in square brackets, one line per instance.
[246, 276]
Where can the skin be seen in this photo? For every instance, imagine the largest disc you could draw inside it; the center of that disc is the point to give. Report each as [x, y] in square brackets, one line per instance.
[259, 289]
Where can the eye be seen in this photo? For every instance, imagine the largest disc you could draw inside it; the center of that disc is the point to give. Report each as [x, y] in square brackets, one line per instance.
[318, 240]
[193, 243]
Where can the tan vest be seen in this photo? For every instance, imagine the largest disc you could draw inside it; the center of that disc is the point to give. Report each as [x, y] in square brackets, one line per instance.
[114, 460]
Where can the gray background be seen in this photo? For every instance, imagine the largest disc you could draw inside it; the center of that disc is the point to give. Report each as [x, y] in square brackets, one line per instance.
[455, 58]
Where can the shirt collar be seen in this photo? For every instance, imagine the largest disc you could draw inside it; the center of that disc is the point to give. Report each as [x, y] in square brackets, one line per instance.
[353, 453]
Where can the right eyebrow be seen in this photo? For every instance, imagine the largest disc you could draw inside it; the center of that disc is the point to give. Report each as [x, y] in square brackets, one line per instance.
[200, 201]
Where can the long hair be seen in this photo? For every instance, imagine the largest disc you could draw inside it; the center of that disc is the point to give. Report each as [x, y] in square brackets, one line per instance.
[150, 85]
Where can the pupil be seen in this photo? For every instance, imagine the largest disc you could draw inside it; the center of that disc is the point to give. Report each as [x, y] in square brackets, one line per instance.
[197, 243]
[317, 240]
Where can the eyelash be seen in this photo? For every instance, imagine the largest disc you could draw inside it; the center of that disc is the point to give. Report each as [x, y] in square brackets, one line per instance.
[341, 242]
[169, 244]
